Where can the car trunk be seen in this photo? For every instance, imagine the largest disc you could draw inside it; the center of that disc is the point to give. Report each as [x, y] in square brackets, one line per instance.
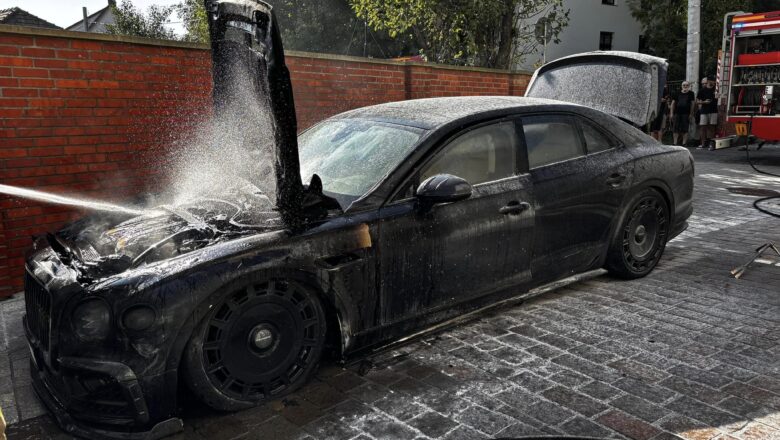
[627, 85]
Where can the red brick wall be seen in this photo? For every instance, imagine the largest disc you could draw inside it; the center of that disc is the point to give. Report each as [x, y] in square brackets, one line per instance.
[92, 115]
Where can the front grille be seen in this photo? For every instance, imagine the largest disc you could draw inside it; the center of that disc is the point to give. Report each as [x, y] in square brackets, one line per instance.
[38, 304]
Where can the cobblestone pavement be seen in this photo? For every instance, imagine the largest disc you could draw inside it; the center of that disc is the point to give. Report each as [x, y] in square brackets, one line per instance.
[687, 351]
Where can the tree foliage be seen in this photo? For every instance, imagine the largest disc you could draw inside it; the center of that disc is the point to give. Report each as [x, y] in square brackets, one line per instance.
[130, 21]
[665, 29]
[193, 14]
[330, 26]
[487, 33]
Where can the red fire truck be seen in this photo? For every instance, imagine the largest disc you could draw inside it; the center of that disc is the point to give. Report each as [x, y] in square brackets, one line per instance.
[751, 81]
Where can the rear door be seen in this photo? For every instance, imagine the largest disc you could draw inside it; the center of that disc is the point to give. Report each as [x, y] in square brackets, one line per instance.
[609, 170]
[577, 192]
[457, 251]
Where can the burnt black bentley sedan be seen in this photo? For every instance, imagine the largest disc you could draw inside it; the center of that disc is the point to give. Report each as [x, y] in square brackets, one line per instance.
[414, 213]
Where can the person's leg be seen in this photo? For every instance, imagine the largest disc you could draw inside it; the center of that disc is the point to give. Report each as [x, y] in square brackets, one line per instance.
[702, 135]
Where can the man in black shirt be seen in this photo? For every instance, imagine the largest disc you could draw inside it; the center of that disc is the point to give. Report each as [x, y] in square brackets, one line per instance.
[708, 105]
[682, 107]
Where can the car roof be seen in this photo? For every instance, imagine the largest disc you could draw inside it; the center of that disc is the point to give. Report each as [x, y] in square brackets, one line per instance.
[431, 113]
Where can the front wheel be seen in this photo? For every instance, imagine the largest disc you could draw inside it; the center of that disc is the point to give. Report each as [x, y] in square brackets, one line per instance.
[259, 342]
[639, 243]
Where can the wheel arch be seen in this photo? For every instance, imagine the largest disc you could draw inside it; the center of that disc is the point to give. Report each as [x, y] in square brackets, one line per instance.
[334, 313]
[656, 184]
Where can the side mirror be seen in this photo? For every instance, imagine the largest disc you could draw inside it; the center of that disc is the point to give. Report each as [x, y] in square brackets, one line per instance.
[443, 188]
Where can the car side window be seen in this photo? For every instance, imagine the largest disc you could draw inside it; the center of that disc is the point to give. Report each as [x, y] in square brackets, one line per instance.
[595, 140]
[484, 154]
[551, 139]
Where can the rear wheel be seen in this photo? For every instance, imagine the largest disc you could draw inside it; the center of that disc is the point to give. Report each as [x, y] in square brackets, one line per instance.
[641, 239]
[259, 342]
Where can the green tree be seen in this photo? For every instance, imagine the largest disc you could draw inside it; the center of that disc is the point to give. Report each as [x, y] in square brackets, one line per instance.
[193, 14]
[488, 33]
[665, 29]
[330, 26]
[131, 21]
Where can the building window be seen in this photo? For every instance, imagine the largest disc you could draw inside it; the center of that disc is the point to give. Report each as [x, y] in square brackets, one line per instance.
[605, 41]
[608, 2]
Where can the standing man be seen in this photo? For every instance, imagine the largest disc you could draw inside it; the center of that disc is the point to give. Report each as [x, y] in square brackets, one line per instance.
[708, 121]
[682, 107]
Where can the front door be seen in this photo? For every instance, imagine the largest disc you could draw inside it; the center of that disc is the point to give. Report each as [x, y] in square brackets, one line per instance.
[435, 258]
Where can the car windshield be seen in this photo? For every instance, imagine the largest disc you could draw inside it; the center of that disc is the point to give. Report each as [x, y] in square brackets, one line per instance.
[352, 155]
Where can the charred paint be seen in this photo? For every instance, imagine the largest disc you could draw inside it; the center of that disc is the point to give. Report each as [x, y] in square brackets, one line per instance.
[387, 266]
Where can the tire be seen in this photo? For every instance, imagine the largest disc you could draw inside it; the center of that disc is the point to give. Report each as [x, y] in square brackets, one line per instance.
[640, 241]
[259, 342]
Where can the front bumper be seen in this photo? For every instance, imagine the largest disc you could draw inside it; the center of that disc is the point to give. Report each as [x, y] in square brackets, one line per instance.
[93, 398]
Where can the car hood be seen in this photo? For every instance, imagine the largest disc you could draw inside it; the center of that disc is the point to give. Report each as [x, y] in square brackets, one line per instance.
[103, 245]
[627, 85]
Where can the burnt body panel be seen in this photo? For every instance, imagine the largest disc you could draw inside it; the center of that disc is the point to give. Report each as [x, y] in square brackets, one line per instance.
[384, 268]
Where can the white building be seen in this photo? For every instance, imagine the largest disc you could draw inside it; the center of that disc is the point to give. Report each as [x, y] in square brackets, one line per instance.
[96, 21]
[593, 25]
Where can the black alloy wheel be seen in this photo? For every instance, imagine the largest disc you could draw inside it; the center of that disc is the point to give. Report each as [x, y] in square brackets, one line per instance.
[641, 240]
[260, 342]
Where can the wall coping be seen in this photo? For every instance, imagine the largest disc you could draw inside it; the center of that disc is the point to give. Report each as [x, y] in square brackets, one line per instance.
[58, 33]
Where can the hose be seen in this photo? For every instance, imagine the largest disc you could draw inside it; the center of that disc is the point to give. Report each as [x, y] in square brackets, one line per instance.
[765, 199]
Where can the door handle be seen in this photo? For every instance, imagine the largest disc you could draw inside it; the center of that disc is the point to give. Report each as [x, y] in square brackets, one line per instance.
[616, 179]
[514, 208]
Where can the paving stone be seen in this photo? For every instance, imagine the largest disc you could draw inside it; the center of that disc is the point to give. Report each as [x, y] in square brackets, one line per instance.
[442, 381]
[593, 354]
[481, 419]
[638, 407]
[368, 392]
[433, 424]
[574, 401]
[570, 378]
[693, 389]
[532, 382]
[344, 381]
[700, 411]
[651, 392]
[758, 431]
[627, 425]
[733, 372]
[380, 426]
[638, 370]
[688, 429]
[465, 433]
[350, 411]
[600, 390]
[767, 383]
[708, 378]
[751, 393]
[327, 428]
[583, 427]
[738, 406]
[399, 406]
[520, 430]
[323, 395]
[596, 371]
[533, 406]
[228, 427]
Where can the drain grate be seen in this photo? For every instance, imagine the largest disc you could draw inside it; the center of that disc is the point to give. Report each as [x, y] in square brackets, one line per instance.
[758, 192]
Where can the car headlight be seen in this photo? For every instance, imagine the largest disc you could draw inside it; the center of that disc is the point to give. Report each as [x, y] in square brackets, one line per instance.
[138, 318]
[92, 320]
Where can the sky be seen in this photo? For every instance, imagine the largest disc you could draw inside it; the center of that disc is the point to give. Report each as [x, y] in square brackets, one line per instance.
[64, 13]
